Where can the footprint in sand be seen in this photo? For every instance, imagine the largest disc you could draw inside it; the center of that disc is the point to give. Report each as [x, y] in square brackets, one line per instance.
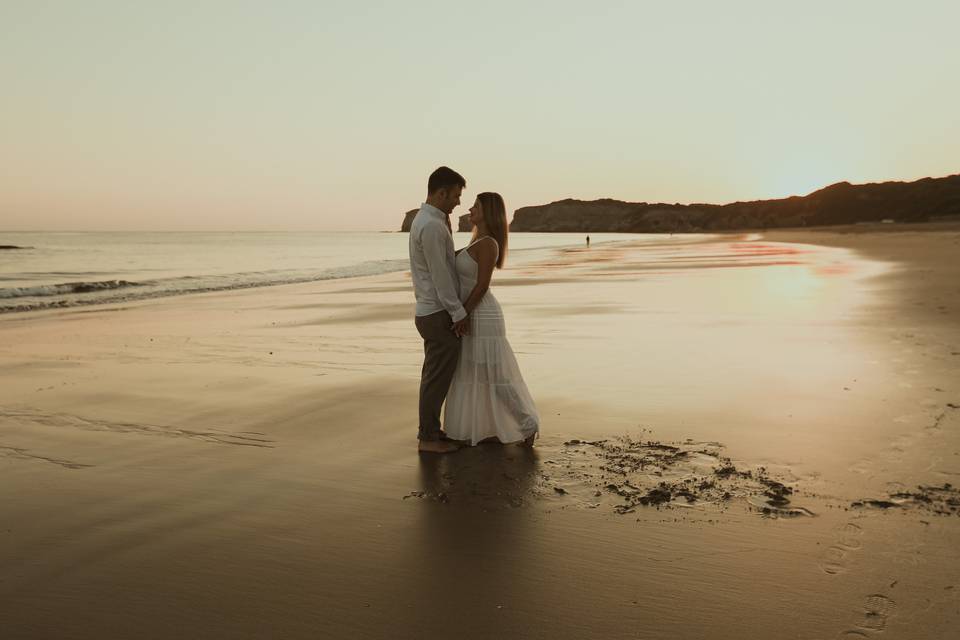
[877, 608]
[836, 557]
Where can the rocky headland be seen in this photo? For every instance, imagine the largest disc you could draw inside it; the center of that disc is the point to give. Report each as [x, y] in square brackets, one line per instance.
[841, 203]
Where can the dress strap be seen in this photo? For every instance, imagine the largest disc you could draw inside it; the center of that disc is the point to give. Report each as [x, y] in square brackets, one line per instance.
[477, 241]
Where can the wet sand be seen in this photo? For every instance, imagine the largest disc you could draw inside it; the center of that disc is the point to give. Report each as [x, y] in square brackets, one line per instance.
[744, 436]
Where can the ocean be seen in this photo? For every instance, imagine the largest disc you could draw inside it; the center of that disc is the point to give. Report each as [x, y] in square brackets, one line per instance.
[67, 269]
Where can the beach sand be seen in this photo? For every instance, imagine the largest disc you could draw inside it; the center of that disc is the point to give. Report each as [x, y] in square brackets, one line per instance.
[744, 436]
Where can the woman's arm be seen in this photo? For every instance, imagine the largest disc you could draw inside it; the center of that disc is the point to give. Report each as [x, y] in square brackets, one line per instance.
[486, 260]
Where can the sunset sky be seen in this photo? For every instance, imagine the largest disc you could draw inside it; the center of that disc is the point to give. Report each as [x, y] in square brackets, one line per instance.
[320, 115]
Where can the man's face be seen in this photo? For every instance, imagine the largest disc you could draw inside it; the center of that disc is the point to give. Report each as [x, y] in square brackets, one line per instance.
[451, 198]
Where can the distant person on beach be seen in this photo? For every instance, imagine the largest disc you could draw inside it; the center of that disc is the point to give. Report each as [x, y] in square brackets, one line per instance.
[440, 316]
[588, 241]
[488, 399]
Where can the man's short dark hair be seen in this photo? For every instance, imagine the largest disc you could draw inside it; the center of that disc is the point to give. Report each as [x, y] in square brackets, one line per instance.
[445, 177]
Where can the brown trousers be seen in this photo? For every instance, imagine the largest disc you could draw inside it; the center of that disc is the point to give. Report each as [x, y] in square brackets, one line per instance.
[441, 353]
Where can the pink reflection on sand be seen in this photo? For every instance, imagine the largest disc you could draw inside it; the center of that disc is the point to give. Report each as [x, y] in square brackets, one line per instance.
[837, 269]
[765, 249]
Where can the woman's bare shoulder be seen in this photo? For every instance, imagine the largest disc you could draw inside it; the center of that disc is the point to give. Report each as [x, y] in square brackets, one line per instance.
[485, 247]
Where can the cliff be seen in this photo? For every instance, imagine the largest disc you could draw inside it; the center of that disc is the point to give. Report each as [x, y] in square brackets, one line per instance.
[463, 223]
[408, 220]
[841, 203]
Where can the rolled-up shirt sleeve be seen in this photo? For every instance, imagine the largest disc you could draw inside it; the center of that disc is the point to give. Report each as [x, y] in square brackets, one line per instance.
[436, 242]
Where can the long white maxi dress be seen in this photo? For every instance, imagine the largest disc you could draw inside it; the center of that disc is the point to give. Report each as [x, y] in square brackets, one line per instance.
[487, 397]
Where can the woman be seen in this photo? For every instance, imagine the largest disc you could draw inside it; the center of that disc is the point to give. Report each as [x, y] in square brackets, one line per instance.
[488, 399]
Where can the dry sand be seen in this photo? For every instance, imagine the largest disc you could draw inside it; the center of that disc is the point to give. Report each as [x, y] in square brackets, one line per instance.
[743, 437]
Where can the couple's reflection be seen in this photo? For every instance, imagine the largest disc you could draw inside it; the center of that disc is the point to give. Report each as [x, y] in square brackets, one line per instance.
[486, 478]
[475, 529]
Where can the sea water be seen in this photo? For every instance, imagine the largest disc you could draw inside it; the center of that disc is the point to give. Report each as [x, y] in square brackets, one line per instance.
[65, 269]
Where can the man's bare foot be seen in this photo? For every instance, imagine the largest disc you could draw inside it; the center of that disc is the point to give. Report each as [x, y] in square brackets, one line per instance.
[437, 446]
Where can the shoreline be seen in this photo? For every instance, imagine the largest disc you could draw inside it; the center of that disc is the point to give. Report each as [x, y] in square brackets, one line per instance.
[109, 283]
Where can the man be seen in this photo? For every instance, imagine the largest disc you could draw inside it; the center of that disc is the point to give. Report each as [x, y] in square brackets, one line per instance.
[440, 317]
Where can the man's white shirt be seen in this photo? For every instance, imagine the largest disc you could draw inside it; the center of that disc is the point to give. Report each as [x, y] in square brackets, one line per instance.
[433, 265]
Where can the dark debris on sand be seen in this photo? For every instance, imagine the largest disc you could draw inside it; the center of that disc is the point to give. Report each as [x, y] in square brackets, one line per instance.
[656, 474]
[941, 500]
[428, 495]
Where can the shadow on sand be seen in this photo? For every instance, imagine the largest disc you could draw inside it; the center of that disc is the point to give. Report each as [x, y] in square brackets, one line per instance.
[488, 477]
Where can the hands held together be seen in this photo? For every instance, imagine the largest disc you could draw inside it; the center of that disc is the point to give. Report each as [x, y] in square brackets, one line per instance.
[461, 327]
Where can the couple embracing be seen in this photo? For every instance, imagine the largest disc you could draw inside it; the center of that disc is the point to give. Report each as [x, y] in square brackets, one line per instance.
[467, 359]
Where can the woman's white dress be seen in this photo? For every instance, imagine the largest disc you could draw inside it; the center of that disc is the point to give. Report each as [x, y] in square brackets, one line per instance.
[487, 397]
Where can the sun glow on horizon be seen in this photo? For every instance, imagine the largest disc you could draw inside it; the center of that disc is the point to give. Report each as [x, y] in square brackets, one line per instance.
[326, 116]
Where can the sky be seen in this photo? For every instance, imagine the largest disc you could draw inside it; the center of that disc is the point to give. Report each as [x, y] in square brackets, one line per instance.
[323, 115]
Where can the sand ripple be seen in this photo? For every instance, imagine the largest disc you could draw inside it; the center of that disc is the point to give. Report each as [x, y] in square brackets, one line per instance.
[65, 420]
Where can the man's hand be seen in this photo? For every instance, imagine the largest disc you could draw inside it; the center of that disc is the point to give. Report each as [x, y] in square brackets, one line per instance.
[462, 327]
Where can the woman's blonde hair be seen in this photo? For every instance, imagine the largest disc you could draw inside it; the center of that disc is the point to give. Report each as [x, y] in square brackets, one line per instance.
[495, 217]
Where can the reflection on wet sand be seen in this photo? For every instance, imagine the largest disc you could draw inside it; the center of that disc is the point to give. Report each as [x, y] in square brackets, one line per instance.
[468, 553]
[488, 477]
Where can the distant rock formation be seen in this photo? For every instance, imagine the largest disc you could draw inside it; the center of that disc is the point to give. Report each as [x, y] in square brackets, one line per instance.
[408, 220]
[463, 223]
[841, 203]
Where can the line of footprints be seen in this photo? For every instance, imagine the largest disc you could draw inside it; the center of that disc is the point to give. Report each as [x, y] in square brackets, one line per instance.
[876, 607]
